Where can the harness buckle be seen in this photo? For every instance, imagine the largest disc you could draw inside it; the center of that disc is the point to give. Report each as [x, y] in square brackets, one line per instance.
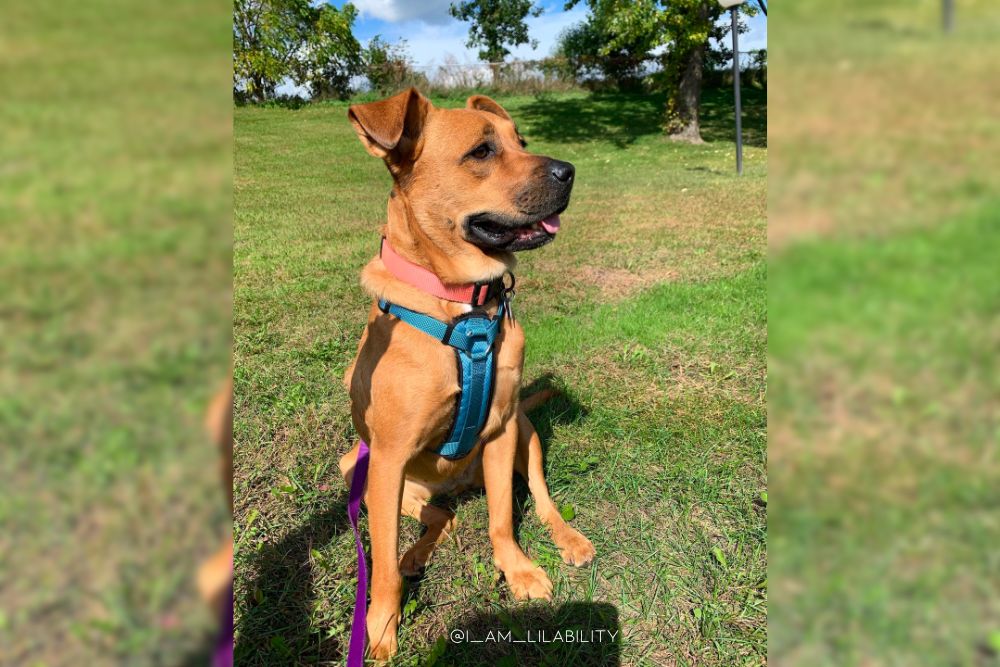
[480, 342]
[481, 289]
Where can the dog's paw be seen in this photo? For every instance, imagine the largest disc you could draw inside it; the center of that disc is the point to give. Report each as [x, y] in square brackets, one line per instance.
[414, 561]
[575, 549]
[530, 583]
[382, 627]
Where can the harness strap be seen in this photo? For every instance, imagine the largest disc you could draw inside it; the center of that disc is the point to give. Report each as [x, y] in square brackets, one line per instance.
[472, 335]
[461, 338]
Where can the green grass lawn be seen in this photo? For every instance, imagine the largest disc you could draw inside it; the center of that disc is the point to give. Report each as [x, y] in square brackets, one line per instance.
[115, 200]
[884, 455]
[884, 439]
[648, 312]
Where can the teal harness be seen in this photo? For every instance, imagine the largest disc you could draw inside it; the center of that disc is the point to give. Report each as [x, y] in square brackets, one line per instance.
[472, 336]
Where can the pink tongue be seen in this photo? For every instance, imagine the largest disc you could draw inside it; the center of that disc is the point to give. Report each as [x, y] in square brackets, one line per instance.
[551, 224]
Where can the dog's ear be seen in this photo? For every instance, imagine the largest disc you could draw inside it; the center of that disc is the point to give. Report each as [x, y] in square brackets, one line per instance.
[389, 128]
[483, 103]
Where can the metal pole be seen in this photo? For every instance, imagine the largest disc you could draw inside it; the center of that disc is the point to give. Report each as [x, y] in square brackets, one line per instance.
[736, 92]
[948, 14]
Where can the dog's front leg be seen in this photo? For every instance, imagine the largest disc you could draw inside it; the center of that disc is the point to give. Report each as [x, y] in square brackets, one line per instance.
[526, 580]
[385, 490]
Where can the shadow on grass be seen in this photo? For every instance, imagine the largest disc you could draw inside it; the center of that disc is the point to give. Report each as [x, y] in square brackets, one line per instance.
[881, 25]
[717, 122]
[620, 118]
[582, 634]
[562, 408]
[274, 625]
[201, 656]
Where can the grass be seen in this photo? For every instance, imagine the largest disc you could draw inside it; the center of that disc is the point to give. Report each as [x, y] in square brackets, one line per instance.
[883, 438]
[884, 461]
[114, 314]
[648, 313]
[882, 121]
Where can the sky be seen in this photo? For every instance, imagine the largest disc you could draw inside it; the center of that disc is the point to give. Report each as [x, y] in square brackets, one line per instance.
[431, 33]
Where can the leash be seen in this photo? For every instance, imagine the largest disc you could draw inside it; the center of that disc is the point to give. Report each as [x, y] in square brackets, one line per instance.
[356, 649]
[222, 656]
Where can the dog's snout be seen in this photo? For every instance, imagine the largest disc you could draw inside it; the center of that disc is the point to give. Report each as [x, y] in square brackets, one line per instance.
[561, 171]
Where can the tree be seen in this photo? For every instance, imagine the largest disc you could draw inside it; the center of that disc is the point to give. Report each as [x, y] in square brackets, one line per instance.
[581, 52]
[278, 39]
[388, 67]
[331, 55]
[684, 27]
[495, 25]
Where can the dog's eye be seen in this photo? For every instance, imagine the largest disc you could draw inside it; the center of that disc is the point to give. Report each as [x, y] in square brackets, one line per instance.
[524, 144]
[482, 151]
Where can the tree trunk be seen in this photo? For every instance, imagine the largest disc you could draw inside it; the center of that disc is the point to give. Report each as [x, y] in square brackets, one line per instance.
[259, 88]
[495, 66]
[684, 122]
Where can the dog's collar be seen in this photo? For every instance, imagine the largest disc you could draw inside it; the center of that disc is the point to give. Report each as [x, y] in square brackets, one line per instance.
[474, 294]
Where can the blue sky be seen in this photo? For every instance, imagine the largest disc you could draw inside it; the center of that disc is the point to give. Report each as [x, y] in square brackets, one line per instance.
[431, 33]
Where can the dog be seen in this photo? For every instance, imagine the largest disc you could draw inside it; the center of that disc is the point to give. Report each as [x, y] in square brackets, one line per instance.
[215, 575]
[466, 196]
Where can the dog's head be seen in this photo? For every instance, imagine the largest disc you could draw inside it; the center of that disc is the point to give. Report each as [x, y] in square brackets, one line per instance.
[464, 175]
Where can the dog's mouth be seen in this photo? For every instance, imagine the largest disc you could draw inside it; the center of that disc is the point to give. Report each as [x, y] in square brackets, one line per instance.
[496, 232]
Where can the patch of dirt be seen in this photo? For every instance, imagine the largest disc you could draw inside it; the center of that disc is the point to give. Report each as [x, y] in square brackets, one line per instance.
[621, 283]
[852, 150]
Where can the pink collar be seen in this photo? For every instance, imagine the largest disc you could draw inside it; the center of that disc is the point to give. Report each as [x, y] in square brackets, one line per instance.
[476, 294]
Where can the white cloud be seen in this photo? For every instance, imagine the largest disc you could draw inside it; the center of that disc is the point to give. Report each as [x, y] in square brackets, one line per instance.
[429, 44]
[397, 11]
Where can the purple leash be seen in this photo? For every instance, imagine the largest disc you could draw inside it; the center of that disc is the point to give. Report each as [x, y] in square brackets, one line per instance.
[356, 650]
[222, 656]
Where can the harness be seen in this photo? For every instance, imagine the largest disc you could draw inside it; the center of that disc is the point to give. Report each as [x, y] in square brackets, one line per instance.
[472, 336]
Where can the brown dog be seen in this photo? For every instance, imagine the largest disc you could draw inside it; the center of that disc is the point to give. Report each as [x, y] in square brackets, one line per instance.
[216, 573]
[466, 195]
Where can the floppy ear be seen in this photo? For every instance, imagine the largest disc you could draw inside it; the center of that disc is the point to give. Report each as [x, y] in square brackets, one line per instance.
[483, 103]
[389, 128]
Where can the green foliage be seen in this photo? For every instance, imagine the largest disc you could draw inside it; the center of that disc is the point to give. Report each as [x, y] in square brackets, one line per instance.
[582, 52]
[618, 27]
[331, 53]
[388, 67]
[275, 39]
[495, 25]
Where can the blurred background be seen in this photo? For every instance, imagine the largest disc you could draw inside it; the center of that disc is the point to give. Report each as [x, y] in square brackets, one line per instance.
[884, 327]
[116, 205]
[115, 316]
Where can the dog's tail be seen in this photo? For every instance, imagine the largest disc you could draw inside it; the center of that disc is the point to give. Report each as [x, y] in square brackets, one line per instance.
[529, 403]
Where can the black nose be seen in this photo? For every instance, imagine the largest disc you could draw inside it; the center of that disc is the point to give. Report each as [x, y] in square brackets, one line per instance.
[561, 171]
